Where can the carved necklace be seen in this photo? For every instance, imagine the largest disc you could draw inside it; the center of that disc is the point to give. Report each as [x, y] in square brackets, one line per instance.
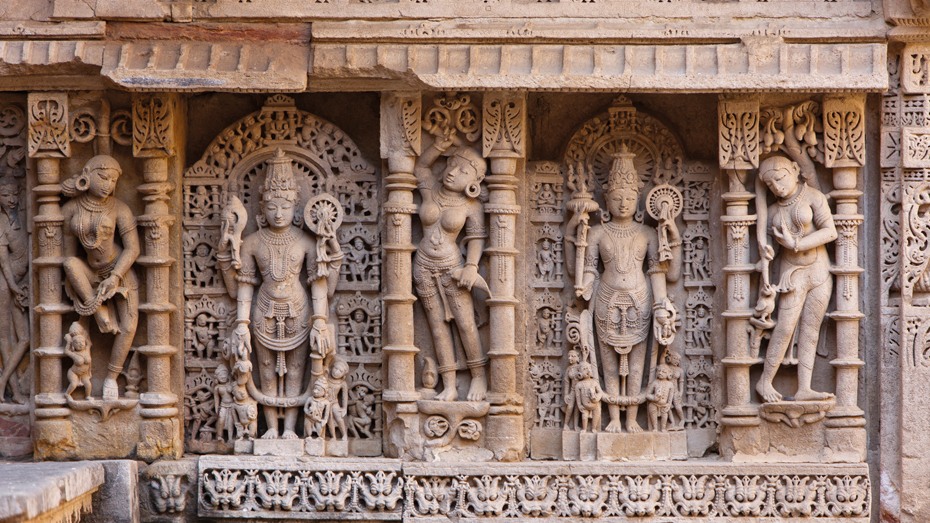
[624, 252]
[91, 213]
[281, 243]
[446, 201]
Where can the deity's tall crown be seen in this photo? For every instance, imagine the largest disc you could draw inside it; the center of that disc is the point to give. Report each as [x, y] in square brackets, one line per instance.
[279, 178]
[623, 172]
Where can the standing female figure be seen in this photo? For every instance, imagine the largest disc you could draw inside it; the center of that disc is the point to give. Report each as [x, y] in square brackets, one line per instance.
[14, 310]
[103, 284]
[443, 280]
[801, 224]
[625, 302]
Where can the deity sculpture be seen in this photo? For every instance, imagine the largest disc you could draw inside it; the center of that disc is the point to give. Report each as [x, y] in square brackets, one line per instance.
[443, 281]
[317, 411]
[14, 301]
[282, 315]
[625, 303]
[102, 284]
[801, 224]
[361, 412]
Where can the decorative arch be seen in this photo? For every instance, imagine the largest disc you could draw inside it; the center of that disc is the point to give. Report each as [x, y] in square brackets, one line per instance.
[658, 151]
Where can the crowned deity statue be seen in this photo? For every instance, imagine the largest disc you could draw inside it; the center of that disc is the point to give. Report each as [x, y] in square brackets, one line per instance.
[101, 282]
[443, 280]
[798, 226]
[282, 315]
[629, 295]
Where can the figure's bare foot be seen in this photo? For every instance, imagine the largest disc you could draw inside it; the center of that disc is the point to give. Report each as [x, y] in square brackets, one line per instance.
[478, 389]
[613, 427]
[447, 394]
[812, 395]
[289, 434]
[270, 434]
[768, 393]
[110, 389]
[633, 428]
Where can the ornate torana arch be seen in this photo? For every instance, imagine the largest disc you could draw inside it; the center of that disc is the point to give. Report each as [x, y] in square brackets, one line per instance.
[658, 151]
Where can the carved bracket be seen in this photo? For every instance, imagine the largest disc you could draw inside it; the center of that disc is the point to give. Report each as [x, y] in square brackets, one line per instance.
[738, 126]
[504, 125]
[49, 136]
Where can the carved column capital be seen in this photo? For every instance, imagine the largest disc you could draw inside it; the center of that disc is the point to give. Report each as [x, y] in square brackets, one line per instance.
[152, 126]
[49, 136]
[504, 122]
[844, 131]
[738, 124]
[400, 124]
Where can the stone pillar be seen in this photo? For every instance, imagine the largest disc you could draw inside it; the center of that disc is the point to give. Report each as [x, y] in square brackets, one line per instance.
[153, 141]
[504, 142]
[739, 152]
[400, 145]
[844, 152]
[48, 144]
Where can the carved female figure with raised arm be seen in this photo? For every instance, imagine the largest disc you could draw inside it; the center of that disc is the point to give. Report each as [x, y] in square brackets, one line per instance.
[625, 301]
[443, 279]
[801, 225]
[103, 283]
[283, 317]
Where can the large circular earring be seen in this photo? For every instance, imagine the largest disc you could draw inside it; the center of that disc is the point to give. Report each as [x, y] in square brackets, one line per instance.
[473, 190]
[82, 183]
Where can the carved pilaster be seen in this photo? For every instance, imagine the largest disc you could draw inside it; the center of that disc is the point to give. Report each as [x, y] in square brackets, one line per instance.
[739, 151]
[153, 140]
[400, 143]
[48, 143]
[504, 142]
[844, 152]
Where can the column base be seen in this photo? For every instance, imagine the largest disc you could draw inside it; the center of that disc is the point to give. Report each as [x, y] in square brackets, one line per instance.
[54, 439]
[159, 439]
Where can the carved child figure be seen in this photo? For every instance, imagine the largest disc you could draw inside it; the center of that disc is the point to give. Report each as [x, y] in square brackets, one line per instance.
[246, 407]
[338, 397]
[317, 411]
[568, 386]
[673, 360]
[77, 347]
[659, 397]
[225, 404]
[588, 395]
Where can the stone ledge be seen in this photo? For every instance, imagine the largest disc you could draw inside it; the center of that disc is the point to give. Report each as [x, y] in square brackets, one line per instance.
[260, 488]
[30, 490]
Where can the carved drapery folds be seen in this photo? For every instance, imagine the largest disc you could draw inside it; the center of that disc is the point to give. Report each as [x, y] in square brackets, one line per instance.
[798, 259]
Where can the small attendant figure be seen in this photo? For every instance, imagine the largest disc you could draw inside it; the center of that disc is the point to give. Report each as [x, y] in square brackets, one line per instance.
[77, 347]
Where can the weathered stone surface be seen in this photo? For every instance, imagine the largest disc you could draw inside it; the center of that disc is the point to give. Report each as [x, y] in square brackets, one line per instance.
[29, 490]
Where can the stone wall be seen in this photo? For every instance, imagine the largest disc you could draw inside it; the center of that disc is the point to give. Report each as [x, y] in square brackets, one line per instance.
[418, 260]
